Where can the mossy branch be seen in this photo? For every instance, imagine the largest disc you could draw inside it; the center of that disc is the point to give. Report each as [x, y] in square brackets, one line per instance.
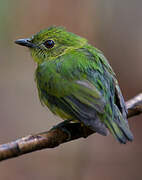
[58, 135]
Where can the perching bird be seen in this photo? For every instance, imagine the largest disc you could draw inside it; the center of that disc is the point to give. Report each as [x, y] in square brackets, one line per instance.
[76, 82]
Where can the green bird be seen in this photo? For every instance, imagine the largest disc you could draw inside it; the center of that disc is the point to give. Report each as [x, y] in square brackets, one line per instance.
[76, 82]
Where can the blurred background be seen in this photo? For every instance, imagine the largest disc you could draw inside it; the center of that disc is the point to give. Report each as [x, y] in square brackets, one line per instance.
[113, 26]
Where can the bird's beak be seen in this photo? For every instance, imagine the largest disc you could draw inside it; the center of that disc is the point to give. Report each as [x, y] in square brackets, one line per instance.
[25, 42]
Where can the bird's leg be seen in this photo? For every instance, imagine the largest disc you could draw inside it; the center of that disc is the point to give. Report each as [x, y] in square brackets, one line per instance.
[63, 128]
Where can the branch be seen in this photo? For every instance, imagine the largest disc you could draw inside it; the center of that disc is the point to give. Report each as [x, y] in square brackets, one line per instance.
[58, 135]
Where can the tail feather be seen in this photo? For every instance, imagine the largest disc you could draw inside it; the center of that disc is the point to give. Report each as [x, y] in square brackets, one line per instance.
[119, 127]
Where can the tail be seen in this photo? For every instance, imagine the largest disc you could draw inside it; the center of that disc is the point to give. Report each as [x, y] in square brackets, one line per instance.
[119, 127]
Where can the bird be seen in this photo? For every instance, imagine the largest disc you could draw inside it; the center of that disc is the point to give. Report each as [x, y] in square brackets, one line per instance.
[76, 82]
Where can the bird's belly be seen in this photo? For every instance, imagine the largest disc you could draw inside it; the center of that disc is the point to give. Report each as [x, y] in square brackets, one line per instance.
[53, 106]
[59, 112]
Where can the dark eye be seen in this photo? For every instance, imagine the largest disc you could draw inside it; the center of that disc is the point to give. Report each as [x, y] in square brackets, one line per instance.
[49, 43]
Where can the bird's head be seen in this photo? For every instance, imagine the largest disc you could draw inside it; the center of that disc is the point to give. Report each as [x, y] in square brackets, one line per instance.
[51, 43]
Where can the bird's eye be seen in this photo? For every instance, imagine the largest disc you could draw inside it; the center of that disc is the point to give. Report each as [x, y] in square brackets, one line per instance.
[49, 44]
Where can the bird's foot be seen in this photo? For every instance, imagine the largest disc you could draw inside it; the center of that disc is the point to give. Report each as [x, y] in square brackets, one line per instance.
[63, 128]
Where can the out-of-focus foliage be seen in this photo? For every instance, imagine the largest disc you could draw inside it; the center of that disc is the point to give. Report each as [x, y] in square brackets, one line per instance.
[113, 26]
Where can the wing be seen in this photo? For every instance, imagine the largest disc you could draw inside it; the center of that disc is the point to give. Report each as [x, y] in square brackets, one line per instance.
[118, 124]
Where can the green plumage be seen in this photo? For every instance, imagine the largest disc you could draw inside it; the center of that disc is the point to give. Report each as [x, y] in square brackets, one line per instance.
[75, 81]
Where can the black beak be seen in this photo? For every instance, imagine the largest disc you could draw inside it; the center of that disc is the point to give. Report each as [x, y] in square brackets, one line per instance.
[25, 42]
